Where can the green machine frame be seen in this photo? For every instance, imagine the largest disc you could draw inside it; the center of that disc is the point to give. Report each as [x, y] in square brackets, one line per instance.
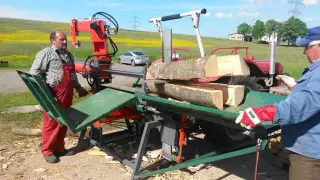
[84, 113]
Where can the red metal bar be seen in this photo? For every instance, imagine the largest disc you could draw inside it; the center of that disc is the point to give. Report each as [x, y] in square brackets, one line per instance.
[120, 114]
[183, 49]
[182, 135]
[235, 48]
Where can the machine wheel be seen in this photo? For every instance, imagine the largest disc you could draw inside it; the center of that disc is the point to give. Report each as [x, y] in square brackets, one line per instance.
[133, 63]
[119, 61]
[219, 134]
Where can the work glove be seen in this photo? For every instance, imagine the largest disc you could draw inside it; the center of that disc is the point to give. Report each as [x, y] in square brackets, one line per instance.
[287, 80]
[251, 117]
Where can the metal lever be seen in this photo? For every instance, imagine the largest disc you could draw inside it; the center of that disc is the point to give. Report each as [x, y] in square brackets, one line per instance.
[195, 16]
[273, 44]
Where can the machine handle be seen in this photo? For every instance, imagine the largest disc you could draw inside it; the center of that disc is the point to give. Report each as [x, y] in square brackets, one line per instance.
[178, 16]
[170, 17]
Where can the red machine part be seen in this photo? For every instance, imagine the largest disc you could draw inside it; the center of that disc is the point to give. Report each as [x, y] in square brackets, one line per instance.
[100, 47]
[123, 113]
[97, 34]
[98, 37]
[262, 65]
[182, 137]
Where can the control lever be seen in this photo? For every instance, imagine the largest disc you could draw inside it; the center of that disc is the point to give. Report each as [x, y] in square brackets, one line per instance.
[195, 16]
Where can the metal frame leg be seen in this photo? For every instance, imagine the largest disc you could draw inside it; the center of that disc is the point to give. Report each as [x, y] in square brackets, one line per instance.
[81, 141]
[143, 143]
[96, 135]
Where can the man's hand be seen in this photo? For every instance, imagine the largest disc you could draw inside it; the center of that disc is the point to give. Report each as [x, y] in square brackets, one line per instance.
[251, 117]
[287, 80]
[82, 92]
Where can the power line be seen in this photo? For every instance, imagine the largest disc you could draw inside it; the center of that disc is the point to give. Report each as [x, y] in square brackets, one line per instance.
[135, 21]
[296, 4]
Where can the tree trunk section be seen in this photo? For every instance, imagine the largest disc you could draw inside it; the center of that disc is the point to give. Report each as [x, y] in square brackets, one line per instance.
[27, 131]
[204, 67]
[232, 94]
[205, 97]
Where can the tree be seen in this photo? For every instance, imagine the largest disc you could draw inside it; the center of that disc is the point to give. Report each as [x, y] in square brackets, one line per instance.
[258, 30]
[272, 26]
[294, 28]
[281, 31]
[244, 29]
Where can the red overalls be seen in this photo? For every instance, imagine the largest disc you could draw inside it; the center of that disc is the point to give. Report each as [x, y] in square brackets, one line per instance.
[53, 134]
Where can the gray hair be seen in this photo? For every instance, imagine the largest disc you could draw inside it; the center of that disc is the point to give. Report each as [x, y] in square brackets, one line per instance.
[52, 36]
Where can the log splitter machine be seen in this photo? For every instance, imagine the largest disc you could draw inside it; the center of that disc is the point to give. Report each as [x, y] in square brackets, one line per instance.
[172, 119]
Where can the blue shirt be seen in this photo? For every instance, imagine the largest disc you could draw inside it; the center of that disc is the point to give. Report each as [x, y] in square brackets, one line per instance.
[299, 114]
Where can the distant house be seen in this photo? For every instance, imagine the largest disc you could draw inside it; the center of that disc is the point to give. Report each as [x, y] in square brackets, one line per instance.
[239, 37]
[235, 36]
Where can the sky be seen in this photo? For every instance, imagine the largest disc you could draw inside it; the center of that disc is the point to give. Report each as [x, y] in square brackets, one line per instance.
[221, 19]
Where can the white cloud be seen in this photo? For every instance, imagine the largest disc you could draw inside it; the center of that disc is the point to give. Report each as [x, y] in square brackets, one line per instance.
[244, 7]
[112, 4]
[18, 13]
[223, 15]
[261, 1]
[246, 14]
[309, 19]
[309, 2]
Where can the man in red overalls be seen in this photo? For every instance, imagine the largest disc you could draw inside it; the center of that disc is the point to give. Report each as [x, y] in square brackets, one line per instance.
[56, 65]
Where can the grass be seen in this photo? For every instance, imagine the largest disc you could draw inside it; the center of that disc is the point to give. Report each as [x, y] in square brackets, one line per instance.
[21, 119]
[16, 99]
[20, 40]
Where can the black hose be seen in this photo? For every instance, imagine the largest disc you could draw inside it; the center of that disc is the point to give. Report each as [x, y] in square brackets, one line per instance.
[90, 82]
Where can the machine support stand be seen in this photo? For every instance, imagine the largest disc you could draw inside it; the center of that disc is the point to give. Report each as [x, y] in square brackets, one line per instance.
[129, 126]
[82, 144]
[96, 135]
[142, 146]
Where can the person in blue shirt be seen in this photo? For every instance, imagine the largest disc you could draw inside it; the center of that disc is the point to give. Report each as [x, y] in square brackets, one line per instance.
[298, 115]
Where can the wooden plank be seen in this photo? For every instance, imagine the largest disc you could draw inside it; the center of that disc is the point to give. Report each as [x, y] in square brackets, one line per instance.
[27, 131]
[232, 65]
[194, 95]
[204, 67]
[232, 94]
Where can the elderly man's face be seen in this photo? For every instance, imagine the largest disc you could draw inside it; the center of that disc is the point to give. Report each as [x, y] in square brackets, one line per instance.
[61, 41]
[312, 52]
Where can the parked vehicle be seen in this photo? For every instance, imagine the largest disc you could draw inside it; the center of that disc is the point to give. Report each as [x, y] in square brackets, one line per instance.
[133, 58]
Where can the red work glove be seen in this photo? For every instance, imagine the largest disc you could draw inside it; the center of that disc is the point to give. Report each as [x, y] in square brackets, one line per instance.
[251, 117]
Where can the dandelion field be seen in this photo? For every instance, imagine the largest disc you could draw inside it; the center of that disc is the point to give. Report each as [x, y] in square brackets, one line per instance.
[20, 40]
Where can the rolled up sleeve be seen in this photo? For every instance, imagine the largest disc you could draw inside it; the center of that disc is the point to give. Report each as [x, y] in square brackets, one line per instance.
[300, 106]
[39, 64]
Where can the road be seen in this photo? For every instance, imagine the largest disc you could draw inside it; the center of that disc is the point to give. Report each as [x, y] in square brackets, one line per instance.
[10, 82]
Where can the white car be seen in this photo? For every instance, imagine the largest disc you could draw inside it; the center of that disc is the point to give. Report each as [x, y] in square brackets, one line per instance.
[133, 58]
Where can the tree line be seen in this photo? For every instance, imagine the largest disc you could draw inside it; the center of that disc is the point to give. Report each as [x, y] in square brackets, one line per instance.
[287, 31]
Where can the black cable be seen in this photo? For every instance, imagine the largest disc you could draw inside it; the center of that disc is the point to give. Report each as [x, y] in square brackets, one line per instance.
[90, 82]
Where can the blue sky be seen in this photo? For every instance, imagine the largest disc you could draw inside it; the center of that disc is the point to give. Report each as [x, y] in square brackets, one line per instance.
[222, 18]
